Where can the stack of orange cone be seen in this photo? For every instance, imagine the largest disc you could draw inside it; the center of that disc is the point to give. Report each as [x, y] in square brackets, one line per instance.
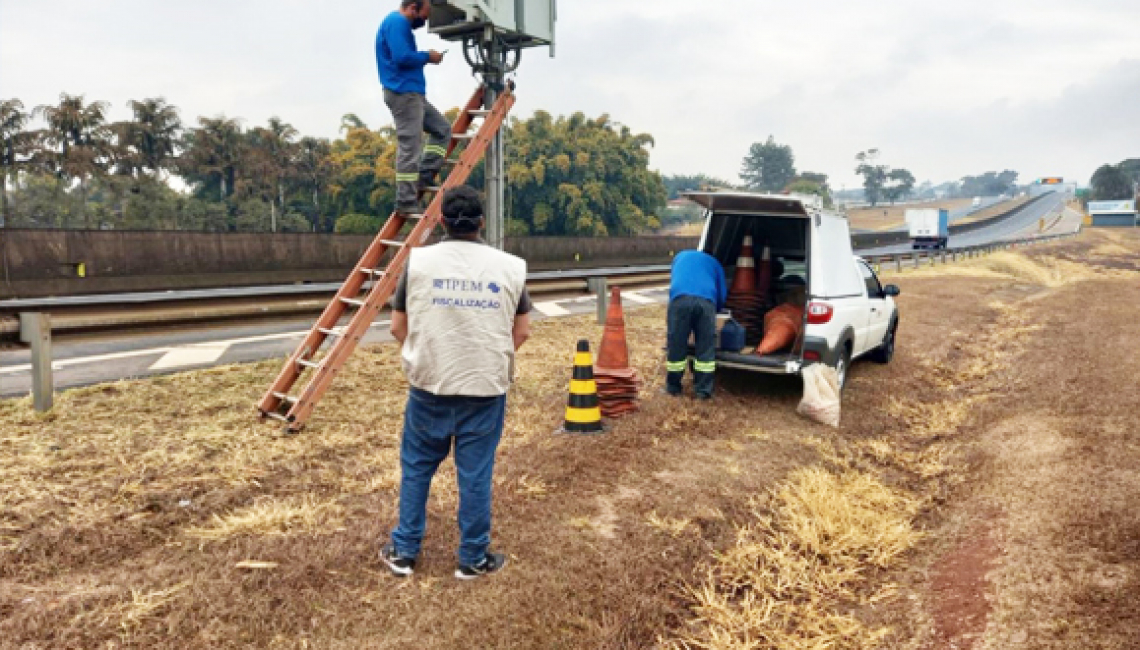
[618, 383]
[744, 300]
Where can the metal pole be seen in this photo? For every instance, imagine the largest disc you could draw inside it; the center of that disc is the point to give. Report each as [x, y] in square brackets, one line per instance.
[495, 188]
[598, 288]
[35, 330]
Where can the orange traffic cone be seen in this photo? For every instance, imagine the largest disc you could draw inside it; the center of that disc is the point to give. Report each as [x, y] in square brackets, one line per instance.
[781, 328]
[744, 280]
[618, 383]
[764, 273]
[613, 353]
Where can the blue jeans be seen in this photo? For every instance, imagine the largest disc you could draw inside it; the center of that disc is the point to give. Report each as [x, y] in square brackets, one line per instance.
[432, 423]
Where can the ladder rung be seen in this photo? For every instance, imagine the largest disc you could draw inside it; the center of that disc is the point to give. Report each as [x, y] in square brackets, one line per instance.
[451, 161]
[278, 417]
[373, 272]
[324, 330]
[287, 398]
[352, 301]
[479, 112]
[433, 188]
[462, 136]
[392, 242]
[308, 364]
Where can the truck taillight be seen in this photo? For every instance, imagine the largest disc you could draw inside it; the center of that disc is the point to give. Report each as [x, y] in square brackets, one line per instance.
[819, 313]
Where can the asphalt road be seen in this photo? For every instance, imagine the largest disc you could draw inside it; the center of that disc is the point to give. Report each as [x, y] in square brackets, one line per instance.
[1020, 225]
[112, 357]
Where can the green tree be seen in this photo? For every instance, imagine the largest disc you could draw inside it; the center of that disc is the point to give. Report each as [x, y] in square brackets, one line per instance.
[768, 167]
[677, 184]
[212, 156]
[15, 142]
[362, 164]
[79, 141]
[900, 183]
[989, 184]
[811, 183]
[874, 175]
[269, 164]
[580, 176]
[315, 170]
[1110, 183]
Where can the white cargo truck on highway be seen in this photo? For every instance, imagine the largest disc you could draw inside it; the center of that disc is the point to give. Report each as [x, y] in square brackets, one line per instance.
[929, 228]
[848, 313]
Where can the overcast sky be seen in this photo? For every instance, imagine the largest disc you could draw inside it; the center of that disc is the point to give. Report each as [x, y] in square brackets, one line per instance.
[945, 89]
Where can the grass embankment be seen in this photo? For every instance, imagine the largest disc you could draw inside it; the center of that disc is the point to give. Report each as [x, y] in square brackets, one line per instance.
[891, 217]
[157, 513]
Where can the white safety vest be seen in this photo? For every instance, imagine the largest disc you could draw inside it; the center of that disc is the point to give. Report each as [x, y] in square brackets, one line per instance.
[462, 298]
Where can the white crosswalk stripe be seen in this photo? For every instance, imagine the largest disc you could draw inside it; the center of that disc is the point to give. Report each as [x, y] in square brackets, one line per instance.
[633, 296]
[551, 309]
[191, 355]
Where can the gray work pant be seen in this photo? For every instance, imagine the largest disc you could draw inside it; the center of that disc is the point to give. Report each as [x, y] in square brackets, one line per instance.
[413, 115]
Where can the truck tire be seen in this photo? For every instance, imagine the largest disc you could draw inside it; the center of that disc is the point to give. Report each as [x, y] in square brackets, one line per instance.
[843, 366]
[885, 352]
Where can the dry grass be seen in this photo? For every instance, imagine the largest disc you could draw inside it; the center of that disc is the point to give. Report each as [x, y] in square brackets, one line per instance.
[158, 513]
[271, 517]
[797, 569]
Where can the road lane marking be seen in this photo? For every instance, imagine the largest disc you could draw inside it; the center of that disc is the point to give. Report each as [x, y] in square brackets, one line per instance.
[129, 354]
[551, 309]
[191, 355]
[638, 298]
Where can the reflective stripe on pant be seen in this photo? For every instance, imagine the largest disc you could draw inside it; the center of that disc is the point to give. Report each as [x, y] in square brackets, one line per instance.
[697, 316]
[413, 115]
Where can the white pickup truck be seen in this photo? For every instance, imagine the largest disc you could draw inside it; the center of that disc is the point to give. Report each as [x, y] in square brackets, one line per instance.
[849, 314]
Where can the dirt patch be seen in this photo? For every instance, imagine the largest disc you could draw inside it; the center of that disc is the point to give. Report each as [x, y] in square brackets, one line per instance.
[960, 589]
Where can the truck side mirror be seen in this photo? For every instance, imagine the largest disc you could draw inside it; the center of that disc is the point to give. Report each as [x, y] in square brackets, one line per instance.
[891, 290]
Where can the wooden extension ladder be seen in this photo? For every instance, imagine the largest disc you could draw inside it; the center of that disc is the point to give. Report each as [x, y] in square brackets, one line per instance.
[378, 285]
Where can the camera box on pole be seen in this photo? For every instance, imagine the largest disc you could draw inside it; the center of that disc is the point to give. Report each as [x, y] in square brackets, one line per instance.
[520, 23]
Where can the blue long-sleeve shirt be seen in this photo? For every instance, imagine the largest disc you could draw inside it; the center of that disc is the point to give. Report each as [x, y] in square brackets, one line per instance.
[696, 273]
[400, 64]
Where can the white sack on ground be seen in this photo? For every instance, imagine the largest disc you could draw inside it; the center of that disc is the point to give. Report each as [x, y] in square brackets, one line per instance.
[821, 394]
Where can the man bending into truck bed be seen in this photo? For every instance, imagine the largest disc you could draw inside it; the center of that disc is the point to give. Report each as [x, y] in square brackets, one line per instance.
[697, 291]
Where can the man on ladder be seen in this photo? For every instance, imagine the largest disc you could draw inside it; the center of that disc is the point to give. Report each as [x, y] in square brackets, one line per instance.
[460, 312]
[401, 68]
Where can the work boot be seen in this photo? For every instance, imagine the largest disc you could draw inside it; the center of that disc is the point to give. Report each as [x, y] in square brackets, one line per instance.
[491, 563]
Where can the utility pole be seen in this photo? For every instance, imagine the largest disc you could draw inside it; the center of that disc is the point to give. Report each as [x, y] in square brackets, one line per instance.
[493, 166]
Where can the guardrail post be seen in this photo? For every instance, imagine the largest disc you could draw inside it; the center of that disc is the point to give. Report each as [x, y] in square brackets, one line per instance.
[898, 263]
[917, 260]
[35, 330]
[598, 288]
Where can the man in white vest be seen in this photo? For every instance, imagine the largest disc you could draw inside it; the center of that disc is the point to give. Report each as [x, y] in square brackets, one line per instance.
[461, 311]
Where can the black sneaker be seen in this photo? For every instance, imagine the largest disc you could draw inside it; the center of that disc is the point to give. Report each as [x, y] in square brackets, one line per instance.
[491, 563]
[399, 565]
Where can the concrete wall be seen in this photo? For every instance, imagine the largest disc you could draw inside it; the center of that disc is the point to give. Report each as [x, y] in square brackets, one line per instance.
[37, 263]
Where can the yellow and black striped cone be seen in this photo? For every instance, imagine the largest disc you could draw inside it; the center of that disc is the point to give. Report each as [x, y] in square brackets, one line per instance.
[583, 415]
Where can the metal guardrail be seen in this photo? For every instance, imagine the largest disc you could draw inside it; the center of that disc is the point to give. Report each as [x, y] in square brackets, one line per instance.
[916, 259]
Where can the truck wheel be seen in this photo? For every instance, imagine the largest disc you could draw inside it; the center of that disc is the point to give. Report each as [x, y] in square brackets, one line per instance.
[842, 365]
[885, 352]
